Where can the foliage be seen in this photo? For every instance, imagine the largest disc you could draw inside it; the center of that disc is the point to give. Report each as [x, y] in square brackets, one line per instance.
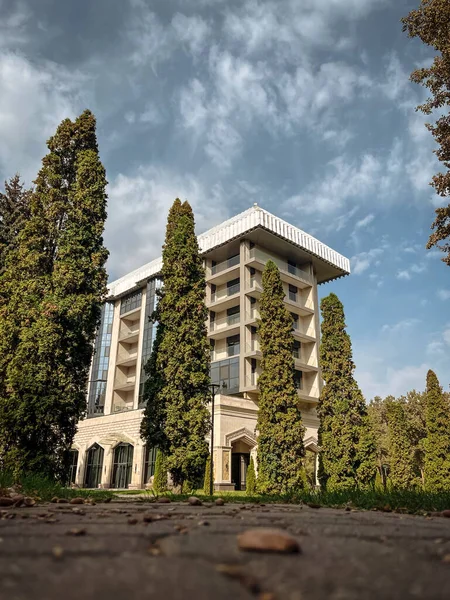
[437, 442]
[431, 23]
[280, 427]
[403, 468]
[14, 212]
[378, 419]
[179, 397]
[347, 459]
[207, 478]
[251, 478]
[54, 282]
[160, 475]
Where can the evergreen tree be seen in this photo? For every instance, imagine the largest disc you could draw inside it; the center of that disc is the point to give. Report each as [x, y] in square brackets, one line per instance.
[431, 23]
[251, 478]
[378, 419]
[280, 427]
[160, 475]
[55, 282]
[14, 212]
[347, 457]
[183, 352]
[402, 473]
[437, 442]
[207, 478]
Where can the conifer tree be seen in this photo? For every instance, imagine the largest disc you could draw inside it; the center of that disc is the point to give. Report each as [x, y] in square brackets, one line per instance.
[207, 478]
[160, 475]
[280, 427]
[183, 351]
[347, 445]
[250, 487]
[431, 24]
[55, 281]
[402, 472]
[437, 442]
[14, 212]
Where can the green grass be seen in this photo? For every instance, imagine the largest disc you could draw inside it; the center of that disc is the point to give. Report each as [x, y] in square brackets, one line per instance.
[403, 501]
[44, 489]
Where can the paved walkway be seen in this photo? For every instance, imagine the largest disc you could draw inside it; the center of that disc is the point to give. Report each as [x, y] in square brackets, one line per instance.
[177, 551]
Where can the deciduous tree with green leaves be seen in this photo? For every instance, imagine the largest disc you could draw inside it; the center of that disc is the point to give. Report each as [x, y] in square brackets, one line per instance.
[280, 426]
[347, 458]
[431, 24]
[181, 360]
[55, 282]
[437, 441]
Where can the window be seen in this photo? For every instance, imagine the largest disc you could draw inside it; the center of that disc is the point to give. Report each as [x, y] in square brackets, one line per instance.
[292, 267]
[297, 349]
[149, 333]
[149, 463]
[254, 377]
[123, 465]
[226, 374]
[73, 466]
[294, 321]
[233, 345]
[131, 301]
[252, 276]
[233, 287]
[298, 380]
[233, 315]
[100, 362]
[213, 292]
[252, 306]
[94, 466]
[293, 292]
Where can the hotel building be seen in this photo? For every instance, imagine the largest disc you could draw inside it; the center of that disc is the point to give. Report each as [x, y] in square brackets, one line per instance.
[108, 450]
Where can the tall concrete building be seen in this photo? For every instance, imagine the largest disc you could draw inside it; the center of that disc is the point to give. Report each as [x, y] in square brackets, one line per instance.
[108, 450]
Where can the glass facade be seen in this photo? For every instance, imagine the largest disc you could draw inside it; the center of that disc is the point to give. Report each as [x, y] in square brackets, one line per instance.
[226, 374]
[149, 330]
[131, 301]
[122, 467]
[100, 362]
[149, 463]
[94, 466]
[73, 465]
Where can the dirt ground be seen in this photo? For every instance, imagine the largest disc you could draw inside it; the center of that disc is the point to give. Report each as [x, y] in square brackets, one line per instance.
[177, 551]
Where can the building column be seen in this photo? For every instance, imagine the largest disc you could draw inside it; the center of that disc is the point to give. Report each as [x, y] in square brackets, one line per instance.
[138, 465]
[222, 455]
[105, 481]
[81, 466]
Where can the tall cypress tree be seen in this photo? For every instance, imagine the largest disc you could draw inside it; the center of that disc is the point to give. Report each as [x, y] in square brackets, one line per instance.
[182, 359]
[437, 442]
[14, 212]
[402, 472]
[56, 281]
[347, 457]
[280, 427]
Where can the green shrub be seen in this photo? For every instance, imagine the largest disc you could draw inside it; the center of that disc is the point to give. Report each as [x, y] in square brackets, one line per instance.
[251, 478]
[160, 476]
[207, 479]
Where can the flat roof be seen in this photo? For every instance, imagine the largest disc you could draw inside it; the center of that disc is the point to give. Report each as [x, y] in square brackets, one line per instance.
[254, 223]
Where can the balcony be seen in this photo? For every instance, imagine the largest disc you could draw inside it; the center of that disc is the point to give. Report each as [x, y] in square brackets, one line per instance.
[301, 332]
[304, 363]
[296, 304]
[309, 394]
[253, 349]
[289, 273]
[223, 271]
[129, 333]
[224, 297]
[254, 287]
[125, 385]
[126, 360]
[225, 327]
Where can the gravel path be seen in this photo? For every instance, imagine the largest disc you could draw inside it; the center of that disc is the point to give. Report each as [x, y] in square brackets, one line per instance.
[178, 551]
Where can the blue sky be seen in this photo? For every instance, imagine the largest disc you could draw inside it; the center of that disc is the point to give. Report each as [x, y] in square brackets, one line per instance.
[303, 106]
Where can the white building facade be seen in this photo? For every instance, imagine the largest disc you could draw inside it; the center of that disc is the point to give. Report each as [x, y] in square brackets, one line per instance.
[108, 451]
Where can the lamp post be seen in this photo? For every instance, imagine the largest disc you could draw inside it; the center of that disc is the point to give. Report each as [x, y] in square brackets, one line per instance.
[213, 387]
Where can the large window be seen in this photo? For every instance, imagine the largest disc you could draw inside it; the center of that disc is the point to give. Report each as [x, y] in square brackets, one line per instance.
[233, 345]
[100, 362]
[233, 286]
[233, 315]
[73, 466]
[297, 349]
[149, 333]
[131, 301]
[226, 374]
[94, 466]
[298, 380]
[293, 290]
[123, 465]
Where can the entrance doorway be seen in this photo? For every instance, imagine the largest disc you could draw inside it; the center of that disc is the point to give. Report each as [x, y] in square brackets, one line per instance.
[94, 466]
[239, 466]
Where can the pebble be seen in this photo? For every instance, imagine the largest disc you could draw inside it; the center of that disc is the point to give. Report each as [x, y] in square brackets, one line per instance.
[76, 532]
[219, 502]
[164, 500]
[150, 517]
[19, 499]
[204, 523]
[194, 501]
[62, 501]
[446, 513]
[446, 558]
[6, 501]
[132, 521]
[238, 573]
[267, 540]
[313, 505]
[77, 501]
[57, 551]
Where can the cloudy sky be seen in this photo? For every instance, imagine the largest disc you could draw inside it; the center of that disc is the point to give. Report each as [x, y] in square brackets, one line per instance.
[303, 106]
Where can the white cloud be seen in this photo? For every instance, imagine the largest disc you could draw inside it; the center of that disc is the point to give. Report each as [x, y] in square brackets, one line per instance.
[406, 274]
[365, 221]
[138, 207]
[403, 325]
[390, 381]
[192, 32]
[14, 24]
[362, 261]
[443, 294]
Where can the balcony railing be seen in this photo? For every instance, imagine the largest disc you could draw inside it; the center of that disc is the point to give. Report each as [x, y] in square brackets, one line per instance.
[284, 267]
[253, 346]
[226, 264]
[233, 350]
[224, 293]
[227, 321]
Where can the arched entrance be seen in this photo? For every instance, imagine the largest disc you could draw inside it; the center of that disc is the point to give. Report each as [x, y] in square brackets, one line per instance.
[241, 442]
[122, 466]
[94, 466]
